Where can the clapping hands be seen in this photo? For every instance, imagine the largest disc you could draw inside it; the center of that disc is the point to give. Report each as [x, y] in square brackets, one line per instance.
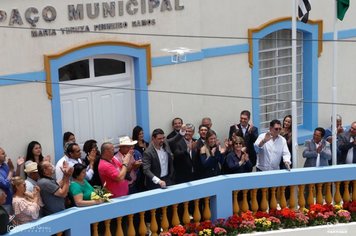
[66, 169]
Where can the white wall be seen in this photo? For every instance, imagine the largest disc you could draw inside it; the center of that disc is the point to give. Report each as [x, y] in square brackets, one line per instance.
[24, 118]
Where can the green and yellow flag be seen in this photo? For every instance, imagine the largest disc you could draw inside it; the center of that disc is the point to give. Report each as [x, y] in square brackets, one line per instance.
[342, 6]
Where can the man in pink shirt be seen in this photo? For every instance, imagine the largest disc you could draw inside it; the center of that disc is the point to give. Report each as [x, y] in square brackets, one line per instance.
[112, 172]
[126, 148]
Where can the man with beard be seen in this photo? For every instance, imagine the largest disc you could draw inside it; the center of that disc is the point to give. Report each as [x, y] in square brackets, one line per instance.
[157, 162]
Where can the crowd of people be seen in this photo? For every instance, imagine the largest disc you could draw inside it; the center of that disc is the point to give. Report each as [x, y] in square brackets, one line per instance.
[39, 188]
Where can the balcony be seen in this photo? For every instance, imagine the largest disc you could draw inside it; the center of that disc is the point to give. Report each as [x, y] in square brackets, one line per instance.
[211, 199]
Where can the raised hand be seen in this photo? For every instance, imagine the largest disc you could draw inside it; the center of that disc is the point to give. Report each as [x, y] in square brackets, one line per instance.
[20, 161]
[47, 158]
[320, 148]
[10, 164]
[245, 157]
[251, 127]
[183, 128]
[213, 150]
[137, 164]
[268, 137]
[66, 169]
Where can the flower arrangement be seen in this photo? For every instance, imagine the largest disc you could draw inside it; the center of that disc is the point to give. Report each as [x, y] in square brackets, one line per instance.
[178, 230]
[263, 224]
[100, 193]
[248, 222]
[319, 214]
[351, 207]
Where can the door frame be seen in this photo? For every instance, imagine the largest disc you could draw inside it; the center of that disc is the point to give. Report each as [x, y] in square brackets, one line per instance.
[141, 54]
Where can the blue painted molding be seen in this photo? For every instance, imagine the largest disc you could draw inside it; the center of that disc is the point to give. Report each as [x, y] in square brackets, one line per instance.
[219, 188]
[310, 72]
[203, 54]
[342, 34]
[22, 78]
[141, 94]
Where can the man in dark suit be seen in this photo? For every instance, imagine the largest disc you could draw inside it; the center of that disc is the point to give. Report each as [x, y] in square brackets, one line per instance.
[157, 162]
[248, 132]
[347, 145]
[183, 148]
[176, 125]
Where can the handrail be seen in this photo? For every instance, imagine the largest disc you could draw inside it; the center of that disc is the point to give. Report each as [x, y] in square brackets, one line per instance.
[78, 219]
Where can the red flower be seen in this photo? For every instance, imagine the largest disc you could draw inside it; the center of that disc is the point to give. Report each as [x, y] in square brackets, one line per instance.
[261, 214]
[205, 225]
[178, 230]
[233, 222]
[287, 213]
[352, 206]
[247, 216]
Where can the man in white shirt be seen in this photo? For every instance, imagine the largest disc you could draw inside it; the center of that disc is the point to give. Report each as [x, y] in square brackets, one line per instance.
[271, 147]
[72, 157]
[157, 162]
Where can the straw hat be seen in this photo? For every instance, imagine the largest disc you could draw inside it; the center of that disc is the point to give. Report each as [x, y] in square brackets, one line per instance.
[126, 141]
[31, 167]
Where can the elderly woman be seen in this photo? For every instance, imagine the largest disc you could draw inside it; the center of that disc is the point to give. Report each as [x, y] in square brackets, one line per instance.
[212, 156]
[237, 160]
[80, 189]
[26, 205]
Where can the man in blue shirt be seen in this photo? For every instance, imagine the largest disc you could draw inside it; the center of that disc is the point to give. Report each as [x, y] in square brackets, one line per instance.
[6, 173]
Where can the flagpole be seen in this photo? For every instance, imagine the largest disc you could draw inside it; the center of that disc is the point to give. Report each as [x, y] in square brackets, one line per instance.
[334, 87]
[294, 86]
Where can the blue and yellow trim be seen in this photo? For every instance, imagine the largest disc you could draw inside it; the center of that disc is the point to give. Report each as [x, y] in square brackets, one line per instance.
[141, 55]
[311, 51]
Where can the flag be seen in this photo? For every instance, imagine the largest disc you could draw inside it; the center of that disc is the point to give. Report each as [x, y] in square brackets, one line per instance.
[303, 10]
[342, 6]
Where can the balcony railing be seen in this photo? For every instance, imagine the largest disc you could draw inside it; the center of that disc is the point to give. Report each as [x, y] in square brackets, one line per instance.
[212, 198]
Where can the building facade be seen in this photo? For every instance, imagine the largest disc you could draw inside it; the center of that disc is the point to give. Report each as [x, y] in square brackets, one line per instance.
[99, 68]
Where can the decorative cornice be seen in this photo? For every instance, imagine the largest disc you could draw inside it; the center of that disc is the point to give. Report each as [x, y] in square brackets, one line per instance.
[278, 20]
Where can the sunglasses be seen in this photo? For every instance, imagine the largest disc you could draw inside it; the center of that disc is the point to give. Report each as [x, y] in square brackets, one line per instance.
[238, 143]
[277, 129]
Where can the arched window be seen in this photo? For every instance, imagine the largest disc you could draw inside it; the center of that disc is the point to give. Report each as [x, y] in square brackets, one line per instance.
[270, 59]
[92, 67]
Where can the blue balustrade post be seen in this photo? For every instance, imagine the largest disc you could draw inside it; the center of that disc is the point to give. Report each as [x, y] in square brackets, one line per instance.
[79, 229]
[221, 205]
